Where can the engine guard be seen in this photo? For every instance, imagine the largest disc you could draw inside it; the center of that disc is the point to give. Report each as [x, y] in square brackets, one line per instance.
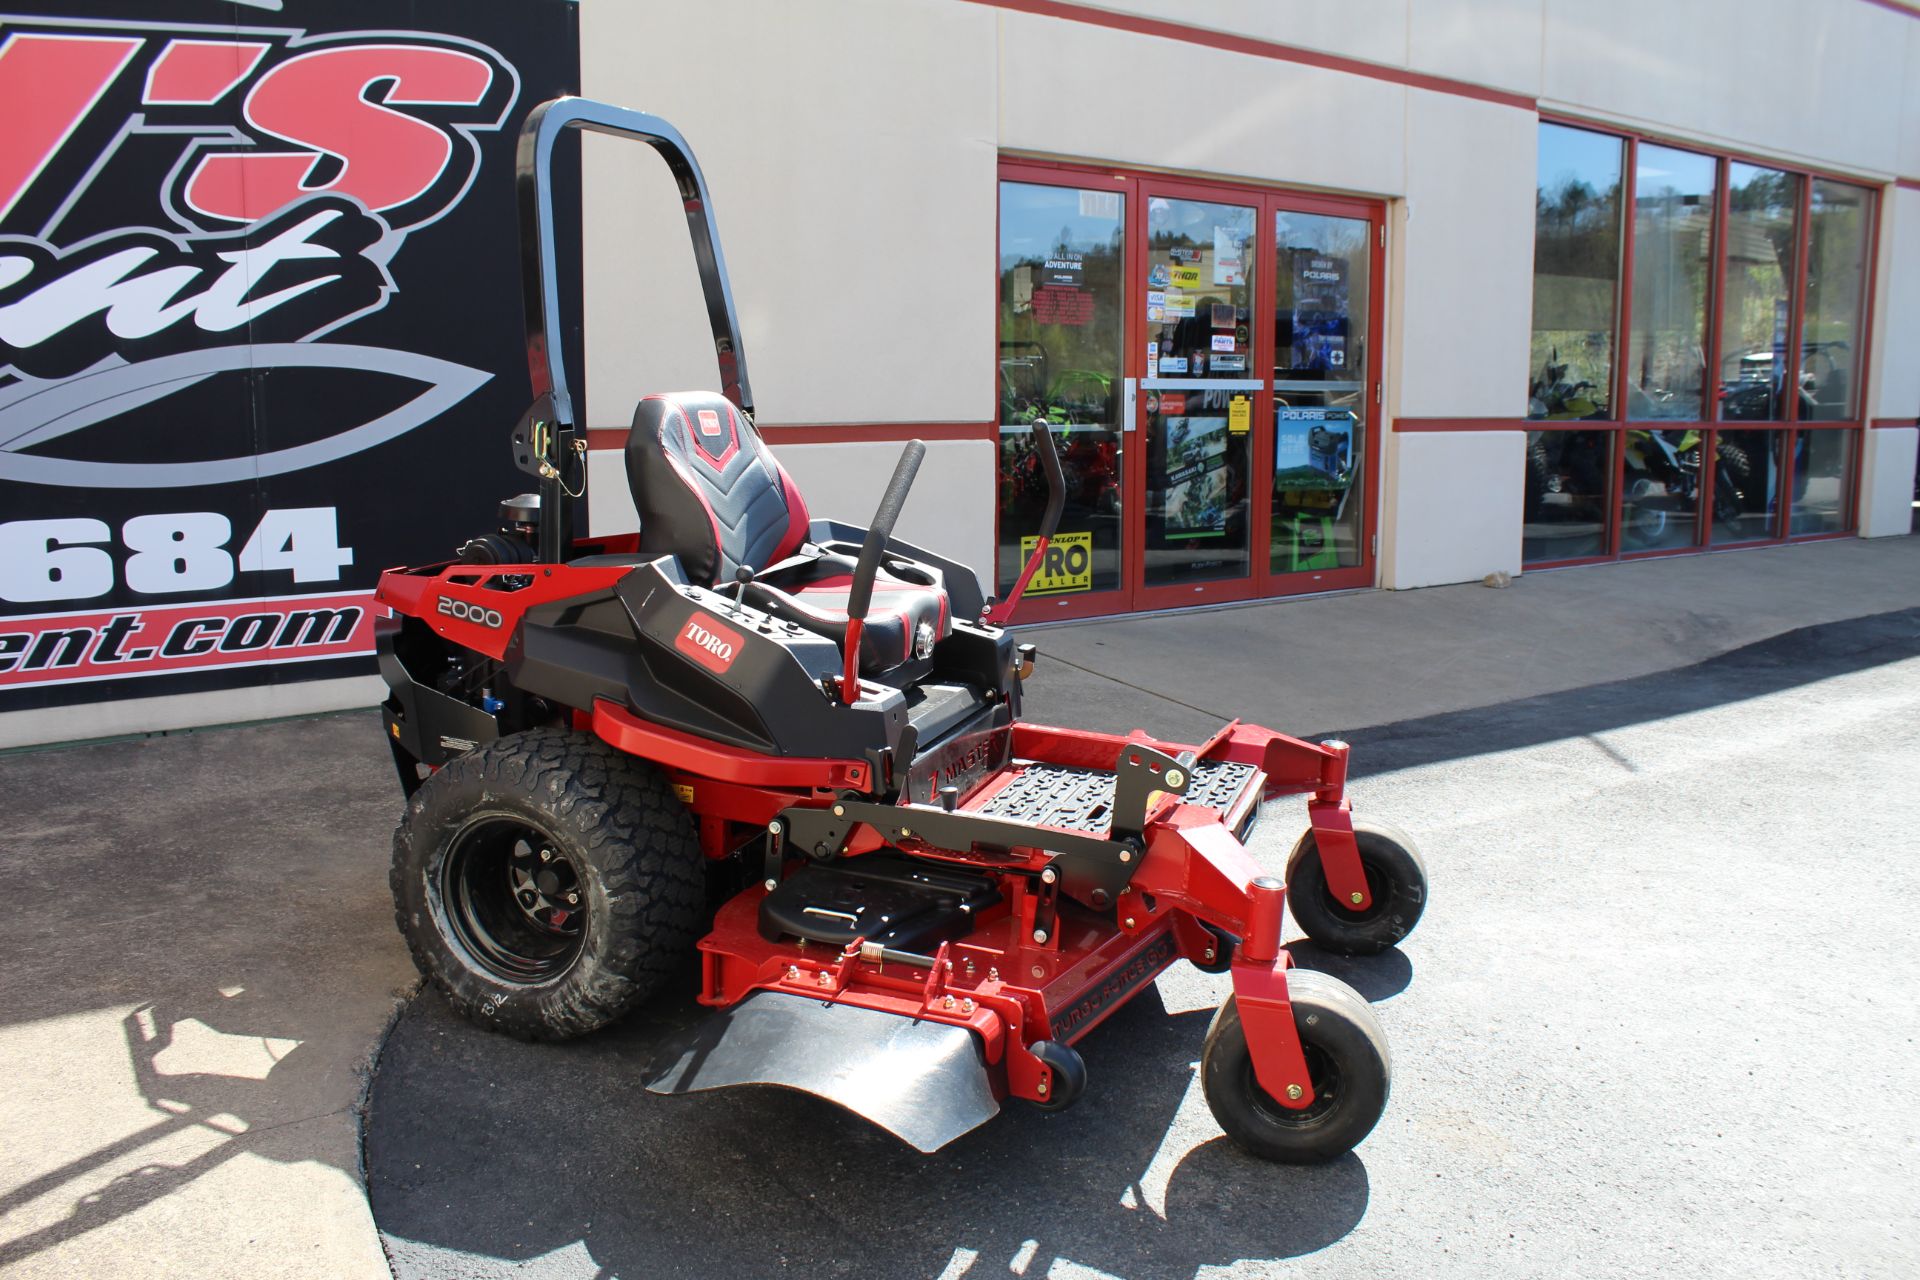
[922, 1081]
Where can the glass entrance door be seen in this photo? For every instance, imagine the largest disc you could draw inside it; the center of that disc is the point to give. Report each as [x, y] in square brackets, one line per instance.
[1202, 375]
[1323, 400]
[1206, 354]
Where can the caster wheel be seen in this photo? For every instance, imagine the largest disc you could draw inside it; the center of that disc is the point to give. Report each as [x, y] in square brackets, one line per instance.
[1347, 1061]
[1396, 881]
[1069, 1072]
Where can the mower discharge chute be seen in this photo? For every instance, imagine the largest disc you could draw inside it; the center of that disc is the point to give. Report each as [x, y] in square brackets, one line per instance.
[924, 901]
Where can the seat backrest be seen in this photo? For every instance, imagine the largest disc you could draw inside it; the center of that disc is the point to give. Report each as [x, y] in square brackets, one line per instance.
[709, 491]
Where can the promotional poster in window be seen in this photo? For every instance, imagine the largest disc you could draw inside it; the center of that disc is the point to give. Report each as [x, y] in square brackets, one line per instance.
[260, 325]
[1319, 341]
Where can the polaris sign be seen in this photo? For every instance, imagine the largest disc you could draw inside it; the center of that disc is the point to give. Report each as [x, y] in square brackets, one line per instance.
[259, 325]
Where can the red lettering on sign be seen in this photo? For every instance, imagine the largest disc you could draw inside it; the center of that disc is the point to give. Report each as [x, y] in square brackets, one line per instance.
[1054, 305]
[318, 101]
[47, 85]
[198, 73]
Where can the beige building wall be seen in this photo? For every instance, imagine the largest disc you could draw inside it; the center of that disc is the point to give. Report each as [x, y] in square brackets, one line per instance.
[852, 146]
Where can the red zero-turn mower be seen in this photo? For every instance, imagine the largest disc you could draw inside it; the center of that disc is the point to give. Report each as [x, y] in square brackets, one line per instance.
[925, 901]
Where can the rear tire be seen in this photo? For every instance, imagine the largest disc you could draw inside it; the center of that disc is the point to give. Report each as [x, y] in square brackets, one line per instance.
[1347, 1061]
[547, 883]
[1396, 883]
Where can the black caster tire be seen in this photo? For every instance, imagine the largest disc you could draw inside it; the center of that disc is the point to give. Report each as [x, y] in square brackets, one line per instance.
[547, 883]
[1396, 881]
[1069, 1072]
[1347, 1060]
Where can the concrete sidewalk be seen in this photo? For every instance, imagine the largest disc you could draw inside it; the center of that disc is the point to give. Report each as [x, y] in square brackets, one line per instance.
[201, 960]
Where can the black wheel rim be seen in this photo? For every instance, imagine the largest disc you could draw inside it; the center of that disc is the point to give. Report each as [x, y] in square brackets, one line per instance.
[514, 902]
[1325, 1077]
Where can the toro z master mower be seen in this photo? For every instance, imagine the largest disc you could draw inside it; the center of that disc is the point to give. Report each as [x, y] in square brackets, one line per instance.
[925, 901]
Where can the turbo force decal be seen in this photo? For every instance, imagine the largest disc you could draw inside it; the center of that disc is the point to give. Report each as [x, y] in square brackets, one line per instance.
[236, 275]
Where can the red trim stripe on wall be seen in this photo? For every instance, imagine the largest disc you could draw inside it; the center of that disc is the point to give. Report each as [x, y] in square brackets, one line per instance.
[1258, 48]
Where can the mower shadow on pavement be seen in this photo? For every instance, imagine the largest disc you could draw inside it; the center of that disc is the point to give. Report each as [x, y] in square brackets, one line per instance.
[1377, 977]
[496, 1149]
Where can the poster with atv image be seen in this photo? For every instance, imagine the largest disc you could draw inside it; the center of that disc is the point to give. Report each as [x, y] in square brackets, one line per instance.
[260, 324]
[1196, 476]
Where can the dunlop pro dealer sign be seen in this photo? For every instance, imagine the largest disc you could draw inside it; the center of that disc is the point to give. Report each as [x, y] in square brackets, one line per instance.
[1067, 566]
[259, 324]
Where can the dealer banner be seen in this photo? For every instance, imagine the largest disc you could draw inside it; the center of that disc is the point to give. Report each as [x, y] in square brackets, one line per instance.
[259, 324]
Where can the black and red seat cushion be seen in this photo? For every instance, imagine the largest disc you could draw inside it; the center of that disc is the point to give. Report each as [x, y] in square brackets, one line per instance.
[709, 491]
[905, 619]
[711, 494]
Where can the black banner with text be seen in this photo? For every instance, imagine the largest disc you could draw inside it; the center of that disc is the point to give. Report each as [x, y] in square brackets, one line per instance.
[260, 324]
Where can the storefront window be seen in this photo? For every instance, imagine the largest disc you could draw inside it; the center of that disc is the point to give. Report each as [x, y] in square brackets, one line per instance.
[1822, 475]
[1576, 272]
[1747, 472]
[1837, 239]
[1755, 314]
[1061, 324]
[1566, 494]
[1201, 384]
[1322, 290]
[1674, 194]
[1660, 496]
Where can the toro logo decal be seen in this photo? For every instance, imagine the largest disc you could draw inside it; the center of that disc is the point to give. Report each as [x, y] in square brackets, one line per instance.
[282, 171]
[478, 614]
[709, 642]
[715, 437]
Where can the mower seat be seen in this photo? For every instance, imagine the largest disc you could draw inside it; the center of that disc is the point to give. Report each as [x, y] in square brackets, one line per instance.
[712, 495]
[907, 615]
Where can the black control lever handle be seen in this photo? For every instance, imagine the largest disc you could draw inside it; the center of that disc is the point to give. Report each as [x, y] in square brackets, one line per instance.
[868, 567]
[1056, 480]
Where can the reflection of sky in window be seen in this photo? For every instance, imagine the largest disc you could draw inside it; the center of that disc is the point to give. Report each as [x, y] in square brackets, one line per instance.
[1570, 155]
[1662, 173]
[1196, 221]
[1031, 218]
[1319, 232]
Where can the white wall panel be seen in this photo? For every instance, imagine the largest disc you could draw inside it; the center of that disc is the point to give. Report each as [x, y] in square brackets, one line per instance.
[1371, 30]
[1886, 489]
[1452, 512]
[1909, 106]
[1895, 392]
[1817, 80]
[850, 148]
[1088, 92]
[950, 511]
[1488, 42]
[1461, 303]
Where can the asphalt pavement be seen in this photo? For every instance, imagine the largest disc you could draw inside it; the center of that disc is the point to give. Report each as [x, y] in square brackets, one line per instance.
[1658, 1018]
[1654, 1023]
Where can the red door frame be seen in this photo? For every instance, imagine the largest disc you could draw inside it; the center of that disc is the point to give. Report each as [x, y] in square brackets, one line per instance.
[1261, 582]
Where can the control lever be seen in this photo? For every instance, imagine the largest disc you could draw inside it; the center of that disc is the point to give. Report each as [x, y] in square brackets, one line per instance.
[998, 614]
[860, 594]
[741, 577]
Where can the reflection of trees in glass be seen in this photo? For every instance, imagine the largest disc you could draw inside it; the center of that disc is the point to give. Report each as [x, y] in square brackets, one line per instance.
[1674, 194]
[1064, 370]
[1753, 316]
[1836, 285]
[1576, 265]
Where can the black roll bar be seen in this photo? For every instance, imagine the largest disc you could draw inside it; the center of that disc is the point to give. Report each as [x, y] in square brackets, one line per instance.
[544, 443]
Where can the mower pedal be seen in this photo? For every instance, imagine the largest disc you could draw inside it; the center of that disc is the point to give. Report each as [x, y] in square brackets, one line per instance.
[1053, 795]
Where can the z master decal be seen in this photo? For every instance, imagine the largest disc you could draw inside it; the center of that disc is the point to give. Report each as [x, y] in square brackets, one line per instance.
[259, 321]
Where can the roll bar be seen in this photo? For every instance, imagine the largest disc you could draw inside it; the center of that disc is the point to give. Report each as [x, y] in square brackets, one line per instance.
[544, 442]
